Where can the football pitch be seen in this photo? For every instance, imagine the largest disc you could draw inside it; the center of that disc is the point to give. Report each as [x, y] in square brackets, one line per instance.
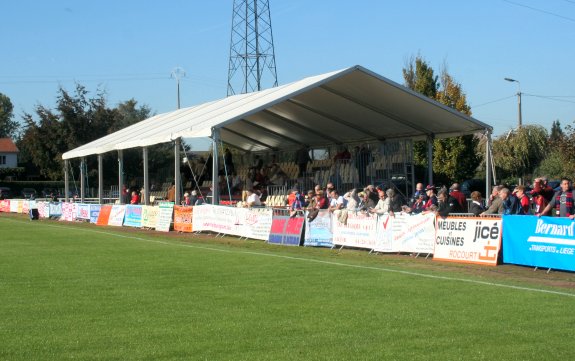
[78, 291]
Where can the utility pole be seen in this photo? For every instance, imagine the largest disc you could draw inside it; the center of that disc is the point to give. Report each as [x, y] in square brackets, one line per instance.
[177, 74]
[252, 64]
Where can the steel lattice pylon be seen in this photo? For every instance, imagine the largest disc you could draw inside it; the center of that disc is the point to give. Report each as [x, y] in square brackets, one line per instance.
[252, 65]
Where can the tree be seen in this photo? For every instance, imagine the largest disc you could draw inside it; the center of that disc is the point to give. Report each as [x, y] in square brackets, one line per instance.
[556, 132]
[8, 127]
[454, 159]
[518, 152]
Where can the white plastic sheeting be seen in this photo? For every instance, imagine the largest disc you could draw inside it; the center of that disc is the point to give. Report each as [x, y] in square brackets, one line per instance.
[350, 105]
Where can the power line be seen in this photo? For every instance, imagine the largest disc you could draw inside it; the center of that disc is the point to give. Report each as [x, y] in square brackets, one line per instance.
[492, 101]
[540, 10]
[550, 98]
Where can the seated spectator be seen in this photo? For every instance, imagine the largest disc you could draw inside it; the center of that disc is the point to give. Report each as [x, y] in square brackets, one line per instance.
[135, 198]
[382, 206]
[476, 207]
[253, 199]
[352, 200]
[365, 201]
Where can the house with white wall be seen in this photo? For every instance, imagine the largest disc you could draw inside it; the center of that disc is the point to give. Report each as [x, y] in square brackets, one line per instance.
[8, 153]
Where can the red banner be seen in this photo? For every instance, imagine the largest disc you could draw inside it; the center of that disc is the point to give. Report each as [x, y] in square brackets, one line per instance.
[104, 215]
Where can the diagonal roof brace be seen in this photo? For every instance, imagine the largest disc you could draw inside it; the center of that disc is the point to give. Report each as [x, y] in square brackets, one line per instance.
[337, 119]
[302, 127]
[377, 110]
[269, 131]
[250, 139]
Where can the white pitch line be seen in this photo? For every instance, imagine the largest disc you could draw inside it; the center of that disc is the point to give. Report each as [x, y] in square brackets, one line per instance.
[331, 263]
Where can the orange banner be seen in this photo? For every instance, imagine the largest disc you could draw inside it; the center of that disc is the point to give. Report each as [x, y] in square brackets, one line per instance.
[183, 218]
[104, 215]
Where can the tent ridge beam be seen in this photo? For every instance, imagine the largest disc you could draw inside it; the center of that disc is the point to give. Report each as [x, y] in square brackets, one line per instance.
[377, 110]
[250, 139]
[333, 118]
[301, 126]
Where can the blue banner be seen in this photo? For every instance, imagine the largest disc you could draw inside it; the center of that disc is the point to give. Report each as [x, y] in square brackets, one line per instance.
[318, 233]
[133, 216]
[94, 212]
[547, 242]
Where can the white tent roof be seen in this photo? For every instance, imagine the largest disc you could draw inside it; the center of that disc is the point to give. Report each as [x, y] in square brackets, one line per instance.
[350, 105]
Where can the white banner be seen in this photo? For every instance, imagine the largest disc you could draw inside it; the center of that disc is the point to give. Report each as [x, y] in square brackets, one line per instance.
[55, 209]
[255, 223]
[414, 234]
[359, 230]
[83, 211]
[164, 216]
[68, 211]
[468, 240]
[117, 215]
[150, 216]
[14, 205]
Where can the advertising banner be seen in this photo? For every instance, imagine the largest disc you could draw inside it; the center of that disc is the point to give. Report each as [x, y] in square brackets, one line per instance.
[14, 205]
[26, 207]
[165, 216]
[384, 237]
[55, 209]
[41, 207]
[82, 211]
[359, 231]
[318, 232]
[183, 218]
[21, 205]
[413, 233]
[5, 205]
[133, 215]
[150, 216]
[539, 241]
[286, 230]
[468, 240]
[104, 215]
[94, 212]
[117, 215]
[68, 213]
[254, 223]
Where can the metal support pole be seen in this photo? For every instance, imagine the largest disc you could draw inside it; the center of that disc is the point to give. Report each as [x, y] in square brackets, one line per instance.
[488, 175]
[177, 180]
[82, 179]
[430, 158]
[215, 166]
[100, 179]
[66, 180]
[146, 199]
[120, 175]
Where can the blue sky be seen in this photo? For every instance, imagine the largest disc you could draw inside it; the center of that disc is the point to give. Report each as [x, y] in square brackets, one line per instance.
[129, 48]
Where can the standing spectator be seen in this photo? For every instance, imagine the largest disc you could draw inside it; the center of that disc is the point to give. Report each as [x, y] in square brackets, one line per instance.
[395, 203]
[171, 196]
[546, 191]
[431, 197]
[336, 202]
[446, 204]
[352, 200]
[562, 202]
[365, 201]
[229, 162]
[125, 194]
[382, 205]
[523, 199]
[455, 192]
[496, 206]
[253, 199]
[476, 207]
[362, 161]
[302, 159]
[187, 200]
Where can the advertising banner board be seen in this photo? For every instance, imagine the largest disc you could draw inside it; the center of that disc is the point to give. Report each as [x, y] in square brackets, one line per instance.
[183, 218]
[133, 215]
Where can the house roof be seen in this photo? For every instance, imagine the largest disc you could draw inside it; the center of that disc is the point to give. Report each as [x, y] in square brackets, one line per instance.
[345, 106]
[8, 146]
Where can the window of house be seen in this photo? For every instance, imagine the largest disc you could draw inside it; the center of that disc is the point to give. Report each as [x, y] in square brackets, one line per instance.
[2, 159]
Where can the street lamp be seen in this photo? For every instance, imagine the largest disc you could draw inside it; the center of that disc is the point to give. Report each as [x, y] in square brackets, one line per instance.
[518, 97]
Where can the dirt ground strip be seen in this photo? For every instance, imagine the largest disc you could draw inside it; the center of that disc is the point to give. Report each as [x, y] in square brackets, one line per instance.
[519, 275]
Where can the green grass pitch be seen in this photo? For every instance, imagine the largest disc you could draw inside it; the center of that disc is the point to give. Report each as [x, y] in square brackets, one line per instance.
[78, 291]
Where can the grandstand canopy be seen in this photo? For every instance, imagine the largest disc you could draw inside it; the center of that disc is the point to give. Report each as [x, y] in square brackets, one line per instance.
[347, 106]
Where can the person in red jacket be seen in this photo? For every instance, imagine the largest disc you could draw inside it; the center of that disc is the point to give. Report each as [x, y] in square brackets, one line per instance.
[455, 192]
[135, 198]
